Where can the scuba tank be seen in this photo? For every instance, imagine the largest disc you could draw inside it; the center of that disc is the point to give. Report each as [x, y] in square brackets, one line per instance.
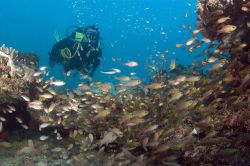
[89, 34]
[83, 38]
[76, 35]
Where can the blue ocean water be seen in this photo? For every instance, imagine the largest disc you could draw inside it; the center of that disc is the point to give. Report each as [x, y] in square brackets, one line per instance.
[130, 30]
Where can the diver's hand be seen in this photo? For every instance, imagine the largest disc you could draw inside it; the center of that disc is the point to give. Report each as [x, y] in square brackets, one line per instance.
[56, 36]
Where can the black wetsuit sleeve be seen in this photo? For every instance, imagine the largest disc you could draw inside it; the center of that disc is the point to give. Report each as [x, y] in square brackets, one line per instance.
[55, 55]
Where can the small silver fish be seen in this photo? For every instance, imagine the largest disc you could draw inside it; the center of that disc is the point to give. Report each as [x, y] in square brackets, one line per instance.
[46, 96]
[116, 70]
[25, 98]
[36, 105]
[43, 68]
[37, 74]
[131, 64]
[108, 72]
[19, 120]
[58, 83]
[44, 125]
[44, 137]
[2, 119]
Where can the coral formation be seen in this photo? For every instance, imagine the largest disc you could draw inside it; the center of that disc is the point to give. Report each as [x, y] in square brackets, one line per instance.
[203, 124]
[215, 14]
[16, 80]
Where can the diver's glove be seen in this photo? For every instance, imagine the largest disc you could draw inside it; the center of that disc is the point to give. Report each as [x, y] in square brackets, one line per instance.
[57, 36]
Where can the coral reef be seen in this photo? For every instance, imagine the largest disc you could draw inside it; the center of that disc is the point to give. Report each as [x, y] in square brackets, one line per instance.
[203, 124]
[183, 117]
[16, 79]
[213, 15]
[196, 119]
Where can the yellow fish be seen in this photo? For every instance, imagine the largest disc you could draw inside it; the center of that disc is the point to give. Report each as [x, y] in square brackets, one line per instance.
[133, 83]
[178, 45]
[190, 41]
[245, 9]
[227, 29]
[222, 20]
[172, 64]
[155, 86]
[101, 114]
[123, 78]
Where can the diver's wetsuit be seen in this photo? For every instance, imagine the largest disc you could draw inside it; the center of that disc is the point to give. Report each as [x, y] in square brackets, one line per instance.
[84, 63]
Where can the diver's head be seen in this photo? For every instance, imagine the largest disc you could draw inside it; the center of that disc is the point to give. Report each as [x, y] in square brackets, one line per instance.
[92, 34]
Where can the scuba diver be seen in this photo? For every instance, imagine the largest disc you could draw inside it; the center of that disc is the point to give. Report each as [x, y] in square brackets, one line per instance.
[80, 51]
